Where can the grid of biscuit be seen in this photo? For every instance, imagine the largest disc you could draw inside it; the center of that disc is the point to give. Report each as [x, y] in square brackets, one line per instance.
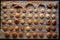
[20, 19]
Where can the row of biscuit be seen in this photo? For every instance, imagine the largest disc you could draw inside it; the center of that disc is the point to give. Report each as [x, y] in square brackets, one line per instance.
[17, 5]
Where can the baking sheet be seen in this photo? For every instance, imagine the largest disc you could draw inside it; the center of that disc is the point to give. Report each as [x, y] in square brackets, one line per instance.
[44, 25]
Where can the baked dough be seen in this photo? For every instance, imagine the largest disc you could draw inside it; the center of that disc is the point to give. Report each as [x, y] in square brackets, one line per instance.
[5, 28]
[20, 34]
[42, 10]
[21, 28]
[30, 10]
[29, 15]
[41, 21]
[29, 21]
[18, 10]
[34, 34]
[4, 10]
[3, 21]
[40, 27]
[48, 34]
[48, 28]
[4, 4]
[53, 16]
[41, 15]
[41, 34]
[28, 34]
[27, 28]
[35, 10]
[47, 16]
[17, 15]
[33, 28]
[54, 34]
[6, 34]
[35, 21]
[54, 22]
[11, 28]
[54, 10]
[16, 28]
[9, 21]
[16, 21]
[14, 34]
[24, 10]
[48, 10]
[23, 15]
[48, 22]
[22, 21]
[11, 10]
[49, 5]
[11, 15]
[5, 15]
[35, 15]
[53, 28]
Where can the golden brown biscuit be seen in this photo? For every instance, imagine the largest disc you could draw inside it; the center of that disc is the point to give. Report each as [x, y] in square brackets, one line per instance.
[4, 4]
[48, 34]
[16, 28]
[16, 21]
[29, 3]
[17, 15]
[6, 34]
[23, 15]
[4, 10]
[47, 16]
[48, 22]
[14, 34]
[55, 5]
[42, 10]
[40, 4]
[35, 10]
[5, 28]
[27, 28]
[28, 34]
[5, 15]
[48, 10]
[48, 28]
[54, 10]
[11, 15]
[54, 22]
[40, 27]
[33, 28]
[3, 21]
[41, 21]
[53, 16]
[30, 10]
[22, 21]
[34, 34]
[11, 10]
[54, 34]
[16, 5]
[11, 28]
[29, 15]
[41, 15]
[35, 21]
[41, 34]
[24, 10]
[9, 21]
[18, 10]
[53, 28]
[29, 21]
[49, 5]
[21, 28]
[20, 34]
[35, 15]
